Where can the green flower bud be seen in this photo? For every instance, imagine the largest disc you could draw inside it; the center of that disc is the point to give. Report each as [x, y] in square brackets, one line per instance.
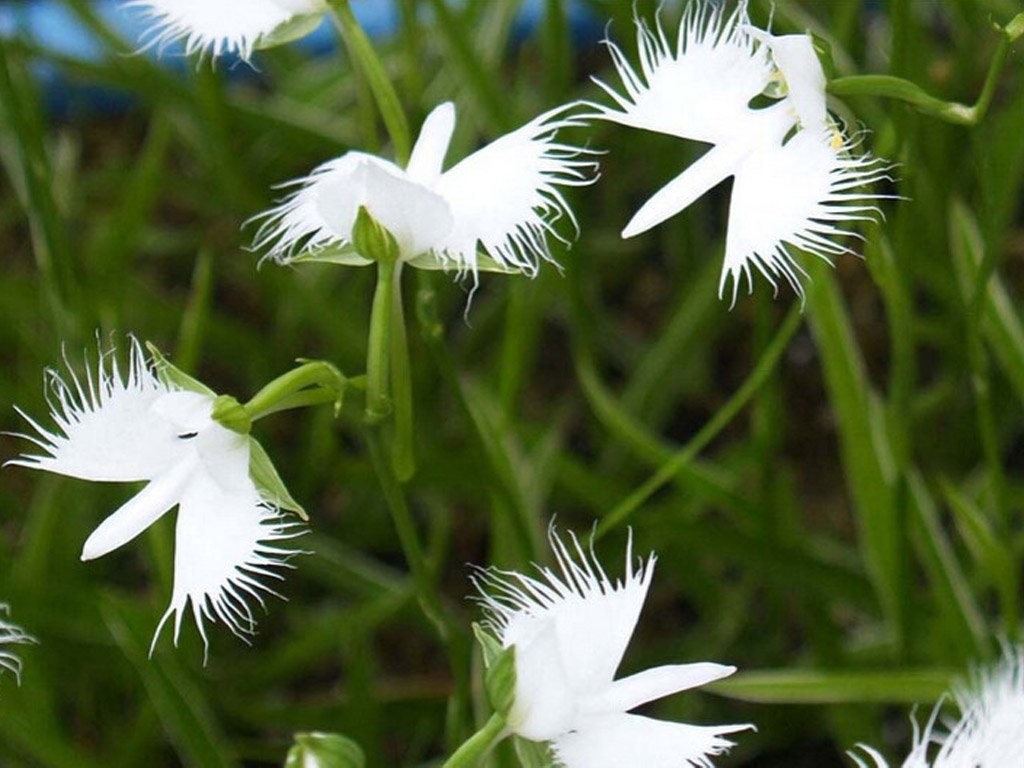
[372, 239]
[324, 750]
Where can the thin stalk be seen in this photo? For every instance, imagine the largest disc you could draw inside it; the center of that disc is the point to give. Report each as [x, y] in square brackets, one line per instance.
[904, 90]
[405, 526]
[286, 387]
[478, 746]
[365, 56]
[682, 459]
[378, 347]
[401, 387]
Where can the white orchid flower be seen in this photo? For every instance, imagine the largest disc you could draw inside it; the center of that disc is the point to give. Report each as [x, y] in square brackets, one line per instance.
[989, 733]
[570, 629]
[11, 634]
[219, 27]
[504, 197]
[796, 176]
[115, 427]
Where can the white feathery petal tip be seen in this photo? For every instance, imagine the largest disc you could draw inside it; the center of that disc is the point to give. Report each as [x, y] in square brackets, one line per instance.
[505, 197]
[570, 626]
[11, 634]
[106, 424]
[989, 733]
[798, 181]
[130, 426]
[218, 27]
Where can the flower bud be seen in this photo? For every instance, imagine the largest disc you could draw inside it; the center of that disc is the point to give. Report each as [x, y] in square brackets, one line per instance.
[324, 750]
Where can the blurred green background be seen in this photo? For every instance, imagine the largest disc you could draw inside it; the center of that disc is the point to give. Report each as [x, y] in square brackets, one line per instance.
[851, 539]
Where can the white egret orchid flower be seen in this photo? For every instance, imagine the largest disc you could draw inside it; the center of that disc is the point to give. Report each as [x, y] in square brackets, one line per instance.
[796, 176]
[504, 197]
[11, 634]
[570, 629]
[138, 427]
[219, 27]
[989, 733]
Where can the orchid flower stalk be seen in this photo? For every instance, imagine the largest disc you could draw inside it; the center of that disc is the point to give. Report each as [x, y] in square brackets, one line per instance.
[361, 209]
[150, 422]
[566, 630]
[797, 178]
[989, 733]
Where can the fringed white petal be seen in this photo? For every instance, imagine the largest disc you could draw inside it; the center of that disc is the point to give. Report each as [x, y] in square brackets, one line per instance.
[698, 87]
[228, 544]
[570, 626]
[615, 741]
[652, 684]
[218, 27]
[107, 428]
[11, 634]
[798, 194]
[321, 210]
[989, 733]
[506, 196]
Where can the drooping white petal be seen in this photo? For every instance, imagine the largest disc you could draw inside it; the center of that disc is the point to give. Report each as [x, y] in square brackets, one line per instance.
[227, 545]
[652, 684]
[218, 27]
[427, 159]
[699, 87]
[711, 169]
[798, 64]
[141, 511]
[106, 425]
[11, 634]
[506, 197]
[798, 194]
[615, 741]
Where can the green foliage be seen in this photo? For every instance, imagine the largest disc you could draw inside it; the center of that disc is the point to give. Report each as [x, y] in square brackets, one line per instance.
[835, 496]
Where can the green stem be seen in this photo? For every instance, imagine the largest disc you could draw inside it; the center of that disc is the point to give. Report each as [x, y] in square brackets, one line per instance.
[363, 54]
[904, 90]
[401, 387]
[721, 419]
[406, 529]
[289, 388]
[478, 746]
[378, 348]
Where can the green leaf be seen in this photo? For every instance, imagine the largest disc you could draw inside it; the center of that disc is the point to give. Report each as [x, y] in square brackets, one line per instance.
[295, 28]
[343, 253]
[181, 706]
[324, 750]
[175, 377]
[489, 645]
[793, 686]
[269, 483]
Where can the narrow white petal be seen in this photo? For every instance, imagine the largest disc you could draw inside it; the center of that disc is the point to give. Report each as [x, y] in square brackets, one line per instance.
[698, 87]
[218, 27]
[506, 197]
[227, 545]
[801, 69]
[106, 427]
[616, 741]
[649, 685]
[11, 634]
[796, 194]
[592, 617]
[545, 704]
[141, 511]
[711, 169]
[427, 159]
